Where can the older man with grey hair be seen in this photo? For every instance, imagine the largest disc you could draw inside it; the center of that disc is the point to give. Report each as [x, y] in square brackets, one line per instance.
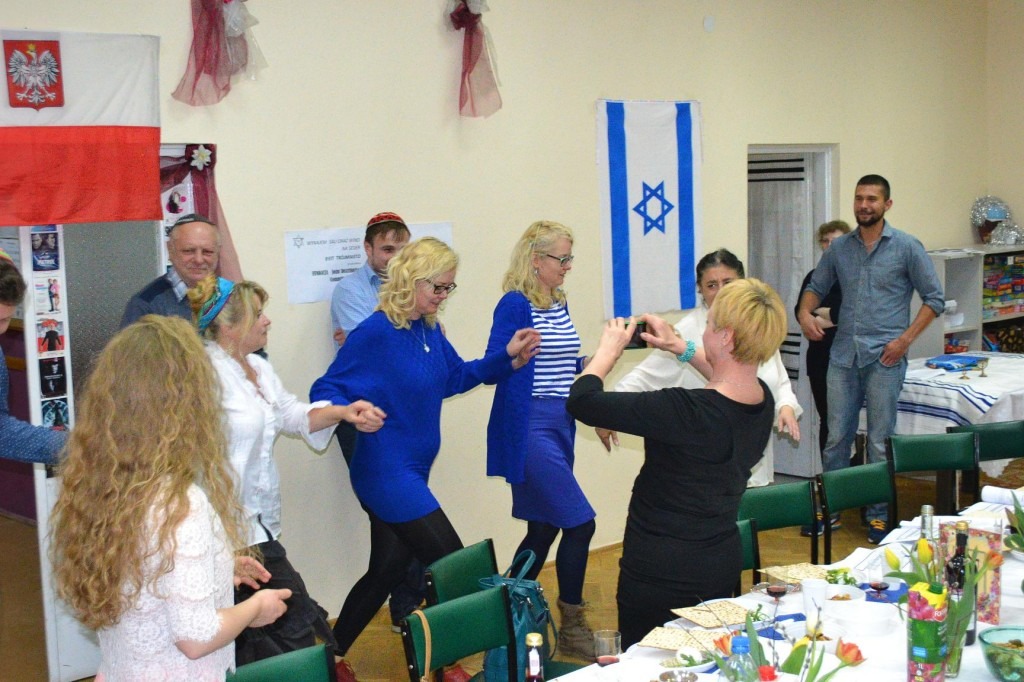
[193, 246]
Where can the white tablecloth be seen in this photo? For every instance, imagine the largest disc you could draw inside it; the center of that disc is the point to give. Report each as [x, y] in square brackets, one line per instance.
[928, 404]
[886, 655]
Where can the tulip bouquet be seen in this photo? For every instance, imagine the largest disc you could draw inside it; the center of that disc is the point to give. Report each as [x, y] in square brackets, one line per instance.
[927, 567]
[805, 660]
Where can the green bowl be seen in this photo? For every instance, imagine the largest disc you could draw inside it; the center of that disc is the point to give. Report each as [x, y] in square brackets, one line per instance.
[1005, 663]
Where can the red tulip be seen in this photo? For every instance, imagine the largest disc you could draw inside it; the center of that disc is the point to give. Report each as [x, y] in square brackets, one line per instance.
[849, 653]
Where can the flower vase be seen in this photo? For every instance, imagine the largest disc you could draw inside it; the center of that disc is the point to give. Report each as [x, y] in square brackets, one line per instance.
[953, 657]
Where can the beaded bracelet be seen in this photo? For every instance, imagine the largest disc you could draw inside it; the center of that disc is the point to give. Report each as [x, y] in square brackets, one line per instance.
[687, 355]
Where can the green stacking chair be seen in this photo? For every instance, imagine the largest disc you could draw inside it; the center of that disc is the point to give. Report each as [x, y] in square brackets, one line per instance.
[312, 664]
[459, 628]
[459, 573]
[782, 505]
[998, 440]
[853, 487]
[751, 553]
[939, 452]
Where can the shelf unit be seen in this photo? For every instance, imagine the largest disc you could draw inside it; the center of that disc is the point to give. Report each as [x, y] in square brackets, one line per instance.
[960, 272]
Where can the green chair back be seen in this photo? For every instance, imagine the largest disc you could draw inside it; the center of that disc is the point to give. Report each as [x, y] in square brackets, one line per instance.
[940, 452]
[781, 505]
[751, 552]
[850, 488]
[313, 664]
[461, 627]
[459, 573]
[998, 440]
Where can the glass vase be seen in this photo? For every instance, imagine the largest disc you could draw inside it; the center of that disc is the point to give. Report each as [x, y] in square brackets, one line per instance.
[954, 655]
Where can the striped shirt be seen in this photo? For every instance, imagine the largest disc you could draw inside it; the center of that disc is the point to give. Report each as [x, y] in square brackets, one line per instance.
[555, 364]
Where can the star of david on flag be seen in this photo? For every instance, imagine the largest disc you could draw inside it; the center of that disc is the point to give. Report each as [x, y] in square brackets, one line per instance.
[649, 169]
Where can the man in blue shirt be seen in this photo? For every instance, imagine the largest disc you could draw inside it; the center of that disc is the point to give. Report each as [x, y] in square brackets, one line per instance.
[878, 269]
[193, 247]
[354, 299]
[355, 295]
[20, 440]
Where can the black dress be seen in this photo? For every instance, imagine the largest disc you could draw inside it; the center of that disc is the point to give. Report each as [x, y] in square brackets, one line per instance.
[818, 354]
[681, 544]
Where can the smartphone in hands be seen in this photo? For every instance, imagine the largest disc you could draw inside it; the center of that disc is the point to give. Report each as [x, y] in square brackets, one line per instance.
[635, 341]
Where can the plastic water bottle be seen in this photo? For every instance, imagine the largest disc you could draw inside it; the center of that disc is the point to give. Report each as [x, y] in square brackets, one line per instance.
[739, 667]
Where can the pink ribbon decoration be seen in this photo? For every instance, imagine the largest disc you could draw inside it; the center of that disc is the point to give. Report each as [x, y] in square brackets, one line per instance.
[478, 94]
[213, 59]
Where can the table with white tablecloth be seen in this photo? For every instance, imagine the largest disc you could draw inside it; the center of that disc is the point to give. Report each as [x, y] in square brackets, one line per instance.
[932, 400]
[885, 655]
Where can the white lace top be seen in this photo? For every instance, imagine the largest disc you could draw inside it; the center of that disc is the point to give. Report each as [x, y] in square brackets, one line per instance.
[183, 606]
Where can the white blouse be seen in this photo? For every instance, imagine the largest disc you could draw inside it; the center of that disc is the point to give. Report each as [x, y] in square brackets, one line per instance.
[182, 605]
[255, 418]
[661, 369]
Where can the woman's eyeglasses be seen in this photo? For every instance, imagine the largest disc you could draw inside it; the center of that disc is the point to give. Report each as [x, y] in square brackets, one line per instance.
[562, 260]
[438, 288]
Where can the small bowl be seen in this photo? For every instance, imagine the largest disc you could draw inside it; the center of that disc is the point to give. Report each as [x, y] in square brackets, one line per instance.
[677, 675]
[797, 629]
[841, 593]
[1004, 664]
[695, 653]
[1017, 554]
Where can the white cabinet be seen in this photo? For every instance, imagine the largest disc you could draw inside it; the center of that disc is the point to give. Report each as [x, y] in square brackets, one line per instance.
[960, 272]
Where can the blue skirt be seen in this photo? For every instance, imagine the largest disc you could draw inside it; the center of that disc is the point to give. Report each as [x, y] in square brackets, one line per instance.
[550, 493]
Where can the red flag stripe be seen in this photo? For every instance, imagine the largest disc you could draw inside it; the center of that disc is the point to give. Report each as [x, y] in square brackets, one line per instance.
[115, 172]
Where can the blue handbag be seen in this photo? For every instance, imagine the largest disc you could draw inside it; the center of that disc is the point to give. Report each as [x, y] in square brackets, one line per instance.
[530, 613]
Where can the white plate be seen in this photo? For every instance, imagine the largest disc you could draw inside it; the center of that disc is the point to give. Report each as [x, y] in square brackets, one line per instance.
[695, 653]
[1017, 554]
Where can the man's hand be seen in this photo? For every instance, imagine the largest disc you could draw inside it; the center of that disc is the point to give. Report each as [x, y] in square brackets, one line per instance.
[339, 337]
[809, 326]
[894, 351]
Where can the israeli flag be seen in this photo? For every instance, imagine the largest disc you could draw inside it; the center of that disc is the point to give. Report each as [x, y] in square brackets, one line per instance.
[649, 169]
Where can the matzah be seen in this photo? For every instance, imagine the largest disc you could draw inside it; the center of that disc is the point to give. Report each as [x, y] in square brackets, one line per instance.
[674, 639]
[714, 614]
[794, 573]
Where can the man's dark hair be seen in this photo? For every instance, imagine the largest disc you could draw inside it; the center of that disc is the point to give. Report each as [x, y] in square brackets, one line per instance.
[383, 229]
[12, 285]
[878, 181]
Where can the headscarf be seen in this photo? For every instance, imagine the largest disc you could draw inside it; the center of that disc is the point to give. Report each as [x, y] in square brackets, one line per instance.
[212, 306]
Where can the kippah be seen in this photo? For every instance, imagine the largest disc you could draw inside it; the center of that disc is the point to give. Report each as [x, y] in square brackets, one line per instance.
[385, 217]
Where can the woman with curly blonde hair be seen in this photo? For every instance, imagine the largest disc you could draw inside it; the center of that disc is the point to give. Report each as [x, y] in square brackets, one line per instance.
[400, 360]
[146, 517]
[530, 436]
[232, 319]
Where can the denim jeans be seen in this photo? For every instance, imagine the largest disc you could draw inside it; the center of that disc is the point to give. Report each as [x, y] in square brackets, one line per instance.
[848, 389]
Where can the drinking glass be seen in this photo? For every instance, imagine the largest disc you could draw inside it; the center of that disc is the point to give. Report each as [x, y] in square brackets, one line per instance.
[607, 646]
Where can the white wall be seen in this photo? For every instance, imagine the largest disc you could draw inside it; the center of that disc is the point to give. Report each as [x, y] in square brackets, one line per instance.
[357, 113]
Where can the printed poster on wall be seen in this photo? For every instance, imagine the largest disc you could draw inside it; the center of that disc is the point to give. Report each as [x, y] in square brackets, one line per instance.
[317, 259]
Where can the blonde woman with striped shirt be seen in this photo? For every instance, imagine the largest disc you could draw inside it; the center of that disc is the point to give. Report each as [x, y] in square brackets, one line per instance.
[530, 435]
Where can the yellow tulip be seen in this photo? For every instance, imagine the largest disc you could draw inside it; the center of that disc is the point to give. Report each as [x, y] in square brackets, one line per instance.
[924, 551]
[892, 559]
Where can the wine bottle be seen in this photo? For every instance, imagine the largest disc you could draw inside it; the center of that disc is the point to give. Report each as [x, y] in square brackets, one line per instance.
[534, 657]
[956, 574]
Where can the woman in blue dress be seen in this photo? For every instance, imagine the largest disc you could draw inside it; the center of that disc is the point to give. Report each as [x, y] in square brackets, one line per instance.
[530, 435]
[399, 359]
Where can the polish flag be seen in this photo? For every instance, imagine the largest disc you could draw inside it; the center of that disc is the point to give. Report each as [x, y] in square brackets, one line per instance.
[79, 128]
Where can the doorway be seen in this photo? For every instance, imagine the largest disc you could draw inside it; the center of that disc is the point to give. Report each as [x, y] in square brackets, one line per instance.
[790, 193]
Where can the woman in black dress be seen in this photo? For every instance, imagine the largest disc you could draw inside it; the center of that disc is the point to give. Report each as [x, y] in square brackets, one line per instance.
[681, 544]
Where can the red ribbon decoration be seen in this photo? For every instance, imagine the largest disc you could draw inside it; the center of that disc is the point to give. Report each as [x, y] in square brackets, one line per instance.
[478, 94]
[207, 78]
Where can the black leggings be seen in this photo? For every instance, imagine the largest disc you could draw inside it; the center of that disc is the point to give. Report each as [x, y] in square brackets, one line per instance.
[570, 560]
[392, 547]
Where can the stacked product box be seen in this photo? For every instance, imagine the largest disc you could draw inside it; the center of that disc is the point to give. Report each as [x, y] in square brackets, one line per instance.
[1003, 286]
